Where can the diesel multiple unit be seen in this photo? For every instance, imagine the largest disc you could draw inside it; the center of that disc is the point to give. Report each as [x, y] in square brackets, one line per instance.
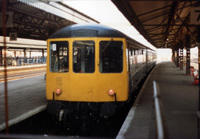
[92, 71]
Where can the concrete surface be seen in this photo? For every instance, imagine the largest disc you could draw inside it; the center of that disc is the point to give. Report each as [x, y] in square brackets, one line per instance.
[179, 101]
[25, 97]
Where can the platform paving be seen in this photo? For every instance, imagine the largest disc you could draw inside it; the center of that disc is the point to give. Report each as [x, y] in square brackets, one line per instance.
[180, 104]
[25, 97]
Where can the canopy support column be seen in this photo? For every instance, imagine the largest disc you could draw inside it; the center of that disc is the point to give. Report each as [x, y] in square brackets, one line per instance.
[187, 54]
[177, 58]
[1, 57]
[181, 59]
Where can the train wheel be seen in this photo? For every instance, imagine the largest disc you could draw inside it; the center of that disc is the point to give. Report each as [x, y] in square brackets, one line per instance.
[68, 121]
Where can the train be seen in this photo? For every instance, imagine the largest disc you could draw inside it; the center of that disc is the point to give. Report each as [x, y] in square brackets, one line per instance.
[92, 71]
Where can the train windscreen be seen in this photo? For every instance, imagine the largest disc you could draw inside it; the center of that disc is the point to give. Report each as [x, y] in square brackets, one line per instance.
[83, 56]
[111, 57]
[59, 61]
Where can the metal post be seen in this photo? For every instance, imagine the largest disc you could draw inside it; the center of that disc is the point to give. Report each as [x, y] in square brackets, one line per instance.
[199, 72]
[24, 59]
[160, 126]
[24, 53]
[15, 55]
[42, 56]
[30, 54]
[5, 70]
[173, 55]
[187, 45]
[42, 52]
[187, 61]
[198, 113]
[198, 39]
[1, 57]
[177, 62]
[181, 59]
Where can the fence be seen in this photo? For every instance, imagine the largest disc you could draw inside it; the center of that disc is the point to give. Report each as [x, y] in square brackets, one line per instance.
[18, 61]
[160, 124]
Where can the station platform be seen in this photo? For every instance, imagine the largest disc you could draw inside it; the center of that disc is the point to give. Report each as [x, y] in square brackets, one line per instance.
[179, 100]
[26, 97]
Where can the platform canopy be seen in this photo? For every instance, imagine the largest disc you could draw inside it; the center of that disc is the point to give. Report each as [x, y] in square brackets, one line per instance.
[37, 19]
[164, 23]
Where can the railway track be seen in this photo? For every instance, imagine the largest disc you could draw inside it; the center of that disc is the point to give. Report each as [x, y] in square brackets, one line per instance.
[20, 73]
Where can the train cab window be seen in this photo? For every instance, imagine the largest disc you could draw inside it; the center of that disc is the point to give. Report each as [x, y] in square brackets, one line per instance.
[59, 61]
[83, 56]
[111, 57]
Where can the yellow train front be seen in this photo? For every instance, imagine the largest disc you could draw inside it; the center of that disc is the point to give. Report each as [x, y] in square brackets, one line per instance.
[88, 71]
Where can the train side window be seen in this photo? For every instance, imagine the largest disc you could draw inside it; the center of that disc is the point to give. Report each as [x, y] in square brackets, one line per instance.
[83, 56]
[59, 61]
[111, 57]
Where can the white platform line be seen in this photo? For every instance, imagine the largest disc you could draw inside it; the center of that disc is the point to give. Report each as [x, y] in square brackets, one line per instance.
[23, 116]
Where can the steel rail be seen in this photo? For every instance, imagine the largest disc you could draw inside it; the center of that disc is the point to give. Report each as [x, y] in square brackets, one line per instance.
[23, 76]
[20, 74]
[22, 68]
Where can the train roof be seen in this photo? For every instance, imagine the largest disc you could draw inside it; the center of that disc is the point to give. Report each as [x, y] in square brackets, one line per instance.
[87, 30]
[92, 30]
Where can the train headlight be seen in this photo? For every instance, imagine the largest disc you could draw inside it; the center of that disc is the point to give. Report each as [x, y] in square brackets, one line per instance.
[58, 91]
[111, 92]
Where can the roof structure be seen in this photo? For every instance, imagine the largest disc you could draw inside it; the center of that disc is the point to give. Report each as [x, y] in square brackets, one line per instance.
[35, 19]
[164, 23]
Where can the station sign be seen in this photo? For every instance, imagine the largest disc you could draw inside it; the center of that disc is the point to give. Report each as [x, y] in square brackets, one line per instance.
[195, 15]
[13, 36]
[9, 19]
